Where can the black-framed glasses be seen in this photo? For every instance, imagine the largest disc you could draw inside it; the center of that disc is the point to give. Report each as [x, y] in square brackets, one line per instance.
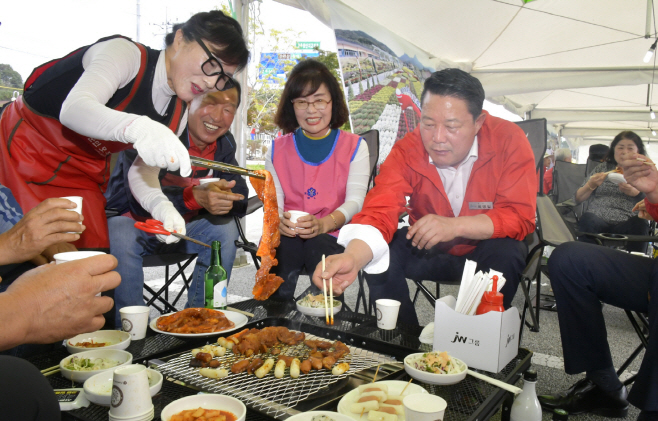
[213, 67]
[319, 104]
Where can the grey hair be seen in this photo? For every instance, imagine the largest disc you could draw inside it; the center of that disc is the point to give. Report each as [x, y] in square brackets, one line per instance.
[562, 153]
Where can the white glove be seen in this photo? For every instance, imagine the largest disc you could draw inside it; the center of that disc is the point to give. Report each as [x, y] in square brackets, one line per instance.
[158, 146]
[166, 213]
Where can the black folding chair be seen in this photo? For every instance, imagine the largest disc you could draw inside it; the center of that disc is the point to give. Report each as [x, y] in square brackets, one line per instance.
[161, 296]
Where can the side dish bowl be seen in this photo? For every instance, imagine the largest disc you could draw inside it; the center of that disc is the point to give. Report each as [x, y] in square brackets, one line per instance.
[117, 355]
[205, 401]
[98, 388]
[432, 378]
[115, 339]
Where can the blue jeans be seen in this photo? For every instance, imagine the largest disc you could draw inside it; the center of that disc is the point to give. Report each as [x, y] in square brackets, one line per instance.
[128, 244]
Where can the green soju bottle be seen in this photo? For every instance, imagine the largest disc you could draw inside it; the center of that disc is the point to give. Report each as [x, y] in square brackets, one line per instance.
[216, 280]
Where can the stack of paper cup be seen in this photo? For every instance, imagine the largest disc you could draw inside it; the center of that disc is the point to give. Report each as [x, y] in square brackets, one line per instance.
[387, 313]
[134, 320]
[131, 398]
[424, 407]
[78, 201]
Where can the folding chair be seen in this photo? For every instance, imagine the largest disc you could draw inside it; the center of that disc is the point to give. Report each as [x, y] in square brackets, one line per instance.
[253, 204]
[567, 179]
[182, 260]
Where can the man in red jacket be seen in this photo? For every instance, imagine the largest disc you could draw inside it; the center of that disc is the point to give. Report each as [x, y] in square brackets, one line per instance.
[471, 183]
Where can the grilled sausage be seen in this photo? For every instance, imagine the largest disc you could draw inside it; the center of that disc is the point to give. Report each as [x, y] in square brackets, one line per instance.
[316, 363]
[305, 367]
[240, 366]
[203, 356]
[254, 365]
[328, 362]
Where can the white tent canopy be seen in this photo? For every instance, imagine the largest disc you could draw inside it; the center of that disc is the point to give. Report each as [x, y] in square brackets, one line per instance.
[576, 63]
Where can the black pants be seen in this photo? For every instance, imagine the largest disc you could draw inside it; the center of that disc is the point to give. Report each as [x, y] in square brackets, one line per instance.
[583, 276]
[295, 254]
[25, 393]
[502, 254]
[633, 225]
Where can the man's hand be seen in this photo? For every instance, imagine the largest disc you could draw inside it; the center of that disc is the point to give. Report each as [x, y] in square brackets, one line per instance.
[641, 174]
[286, 226]
[216, 197]
[431, 229]
[628, 190]
[59, 301]
[49, 223]
[344, 267]
[341, 267]
[48, 255]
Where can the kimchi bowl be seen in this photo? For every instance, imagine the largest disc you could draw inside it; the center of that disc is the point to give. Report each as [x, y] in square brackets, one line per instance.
[205, 401]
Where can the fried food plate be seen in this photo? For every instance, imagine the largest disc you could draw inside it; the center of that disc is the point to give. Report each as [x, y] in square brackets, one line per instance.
[237, 318]
[394, 388]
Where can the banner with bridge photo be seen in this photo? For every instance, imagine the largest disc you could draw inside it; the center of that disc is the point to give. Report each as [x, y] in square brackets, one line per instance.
[383, 76]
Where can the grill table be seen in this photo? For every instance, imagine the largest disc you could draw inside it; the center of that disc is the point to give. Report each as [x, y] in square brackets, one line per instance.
[470, 399]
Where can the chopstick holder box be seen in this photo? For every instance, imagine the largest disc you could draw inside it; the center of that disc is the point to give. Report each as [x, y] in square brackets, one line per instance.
[486, 342]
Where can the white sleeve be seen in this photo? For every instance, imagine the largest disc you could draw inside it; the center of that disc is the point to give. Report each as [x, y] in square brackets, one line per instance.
[269, 166]
[145, 185]
[357, 182]
[109, 66]
[373, 238]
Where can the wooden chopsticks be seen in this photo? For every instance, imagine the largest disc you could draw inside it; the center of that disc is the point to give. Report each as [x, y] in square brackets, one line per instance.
[50, 370]
[329, 321]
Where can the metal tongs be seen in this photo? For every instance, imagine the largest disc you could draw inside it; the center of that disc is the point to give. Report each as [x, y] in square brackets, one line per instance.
[220, 166]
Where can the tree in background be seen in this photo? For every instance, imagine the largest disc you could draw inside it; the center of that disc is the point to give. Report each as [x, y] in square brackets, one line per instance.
[9, 79]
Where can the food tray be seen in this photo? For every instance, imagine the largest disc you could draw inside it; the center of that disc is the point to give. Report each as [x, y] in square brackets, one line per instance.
[282, 398]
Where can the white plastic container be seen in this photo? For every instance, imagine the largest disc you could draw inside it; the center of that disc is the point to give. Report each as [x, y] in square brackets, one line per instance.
[526, 405]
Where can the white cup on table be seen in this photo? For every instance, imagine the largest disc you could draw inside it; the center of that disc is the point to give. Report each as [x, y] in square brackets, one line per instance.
[387, 313]
[70, 256]
[78, 208]
[131, 398]
[134, 320]
[424, 407]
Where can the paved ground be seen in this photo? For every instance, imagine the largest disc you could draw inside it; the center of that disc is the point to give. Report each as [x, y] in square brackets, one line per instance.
[545, 344]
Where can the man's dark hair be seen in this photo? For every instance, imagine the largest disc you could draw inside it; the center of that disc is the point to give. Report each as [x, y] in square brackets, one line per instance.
[219, 30]
[305, 79]
[459, 84]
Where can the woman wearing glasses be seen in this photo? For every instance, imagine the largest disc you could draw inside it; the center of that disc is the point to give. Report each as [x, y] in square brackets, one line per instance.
[317, 168]
[106, 97]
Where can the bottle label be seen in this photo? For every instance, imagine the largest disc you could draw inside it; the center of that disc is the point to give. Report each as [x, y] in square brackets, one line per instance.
[220, 294]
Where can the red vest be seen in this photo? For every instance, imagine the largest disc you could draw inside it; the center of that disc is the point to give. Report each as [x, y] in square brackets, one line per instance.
[318, 189]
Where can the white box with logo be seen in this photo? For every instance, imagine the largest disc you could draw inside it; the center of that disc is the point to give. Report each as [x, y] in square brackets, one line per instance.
[486, 342]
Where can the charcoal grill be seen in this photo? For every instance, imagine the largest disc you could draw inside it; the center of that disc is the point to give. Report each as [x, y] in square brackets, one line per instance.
[282, 398]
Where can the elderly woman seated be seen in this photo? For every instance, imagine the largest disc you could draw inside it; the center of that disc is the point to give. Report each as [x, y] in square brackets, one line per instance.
[611, 199]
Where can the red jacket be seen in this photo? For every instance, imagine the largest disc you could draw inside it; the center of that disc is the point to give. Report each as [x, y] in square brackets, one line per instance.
[503, 174]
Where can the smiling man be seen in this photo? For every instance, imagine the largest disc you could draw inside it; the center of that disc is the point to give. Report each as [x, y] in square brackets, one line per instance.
[207, 210]
[471, 183]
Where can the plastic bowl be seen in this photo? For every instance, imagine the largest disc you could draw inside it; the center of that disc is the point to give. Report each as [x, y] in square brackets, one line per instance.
[431, 378]
[116, 338]
[123, 357]
[616, 178]
[319, 311]
[205, 401]
[98, 388]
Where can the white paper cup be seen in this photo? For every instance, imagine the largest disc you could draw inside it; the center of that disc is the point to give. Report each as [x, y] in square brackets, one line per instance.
[69, 256]
[134, 320]
[294, 214]
[387, 313]
[78, 201]
[208, 180]
[131, 397]
[424, 407]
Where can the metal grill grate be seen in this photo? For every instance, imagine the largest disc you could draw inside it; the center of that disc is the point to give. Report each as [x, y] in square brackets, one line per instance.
[269, 395]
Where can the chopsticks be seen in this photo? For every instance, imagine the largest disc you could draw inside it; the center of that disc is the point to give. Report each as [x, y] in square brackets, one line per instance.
[220, 166]
[50, 370]
[246, 313]
[329, 321]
